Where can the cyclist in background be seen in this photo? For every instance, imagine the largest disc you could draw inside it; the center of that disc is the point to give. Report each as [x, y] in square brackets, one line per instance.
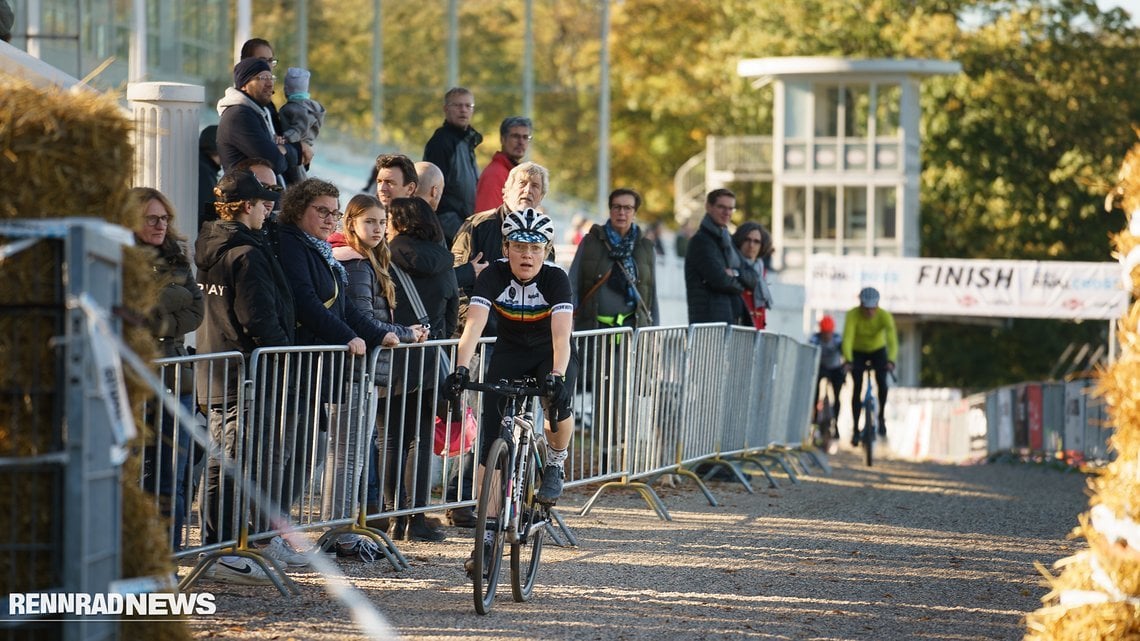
[869, 342]
[830, 365]
[531, 301]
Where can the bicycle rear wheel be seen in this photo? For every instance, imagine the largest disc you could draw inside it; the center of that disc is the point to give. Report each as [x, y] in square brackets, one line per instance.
[489, 556]
[526, 553]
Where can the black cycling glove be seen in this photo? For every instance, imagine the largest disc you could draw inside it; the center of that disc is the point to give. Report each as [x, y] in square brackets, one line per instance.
[555, 389]
[456, 381]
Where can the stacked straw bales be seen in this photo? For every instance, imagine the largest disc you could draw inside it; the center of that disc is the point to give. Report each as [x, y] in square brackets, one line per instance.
[64, 154]
[1097, 594]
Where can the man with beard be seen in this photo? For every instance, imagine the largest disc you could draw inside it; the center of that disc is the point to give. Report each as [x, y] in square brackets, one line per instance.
[245, 126]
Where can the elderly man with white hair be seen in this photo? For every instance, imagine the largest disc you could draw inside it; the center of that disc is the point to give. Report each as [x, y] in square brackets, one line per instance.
[478, 243]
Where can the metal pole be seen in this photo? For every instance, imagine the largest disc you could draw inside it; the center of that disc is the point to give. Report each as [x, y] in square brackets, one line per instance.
[136, 68]
[604, 111]
[303, 34]
[528, 62]
[241, 26]
[453, 43]
[34, 23]
[377, 70]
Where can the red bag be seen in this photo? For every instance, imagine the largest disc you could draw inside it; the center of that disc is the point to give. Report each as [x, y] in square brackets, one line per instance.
[459, 438]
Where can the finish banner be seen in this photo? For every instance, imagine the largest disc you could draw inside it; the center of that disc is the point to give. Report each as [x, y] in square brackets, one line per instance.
[965, 287]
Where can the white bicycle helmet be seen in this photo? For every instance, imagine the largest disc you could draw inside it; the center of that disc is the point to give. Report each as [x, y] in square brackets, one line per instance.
[869, 297]
[528, 226]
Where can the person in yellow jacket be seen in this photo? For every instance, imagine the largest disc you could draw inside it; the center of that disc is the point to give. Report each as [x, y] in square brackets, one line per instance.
[870, 341]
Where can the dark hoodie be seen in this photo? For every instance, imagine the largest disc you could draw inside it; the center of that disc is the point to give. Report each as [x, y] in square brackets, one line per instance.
[248, 301]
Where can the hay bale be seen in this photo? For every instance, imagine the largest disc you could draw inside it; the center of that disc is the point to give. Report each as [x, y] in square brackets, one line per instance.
[65, 154]
[1097, 594]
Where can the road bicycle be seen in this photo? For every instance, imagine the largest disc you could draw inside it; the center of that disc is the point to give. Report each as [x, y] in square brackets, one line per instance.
[507, 507]
[870, 416]
[824, 420]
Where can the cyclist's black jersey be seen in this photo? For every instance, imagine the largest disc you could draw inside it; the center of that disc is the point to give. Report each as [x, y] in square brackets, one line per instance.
[523, 310]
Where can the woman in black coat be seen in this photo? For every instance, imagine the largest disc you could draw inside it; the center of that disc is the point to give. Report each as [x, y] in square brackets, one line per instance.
[415, 240]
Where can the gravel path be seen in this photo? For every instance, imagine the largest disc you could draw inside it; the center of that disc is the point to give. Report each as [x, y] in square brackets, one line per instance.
[899, 551]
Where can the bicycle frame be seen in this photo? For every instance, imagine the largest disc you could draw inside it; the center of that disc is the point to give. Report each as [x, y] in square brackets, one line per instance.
[519, 437]
[513, 462]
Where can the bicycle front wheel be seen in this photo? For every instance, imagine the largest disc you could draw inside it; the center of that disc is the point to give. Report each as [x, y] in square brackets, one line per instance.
[527, 551]
[868, 442]
[489, 518]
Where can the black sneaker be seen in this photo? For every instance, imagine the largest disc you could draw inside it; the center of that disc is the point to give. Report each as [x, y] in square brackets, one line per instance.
[551, 485]
[425, 532]
[855, 438]
[882, 430]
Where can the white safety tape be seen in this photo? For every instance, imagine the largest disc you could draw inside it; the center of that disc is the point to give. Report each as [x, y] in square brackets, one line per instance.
[1126, 265]
[109, 381]
[1105, 521]
[367, 617]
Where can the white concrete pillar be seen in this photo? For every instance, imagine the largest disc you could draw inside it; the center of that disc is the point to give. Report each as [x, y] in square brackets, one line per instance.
[166, 145]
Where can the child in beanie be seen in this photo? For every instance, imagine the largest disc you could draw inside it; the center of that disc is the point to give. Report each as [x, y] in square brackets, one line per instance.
[301, 116]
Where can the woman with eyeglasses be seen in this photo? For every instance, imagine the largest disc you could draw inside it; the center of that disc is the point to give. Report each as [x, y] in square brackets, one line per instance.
[755, 245]
[178, 311]
[310, 211]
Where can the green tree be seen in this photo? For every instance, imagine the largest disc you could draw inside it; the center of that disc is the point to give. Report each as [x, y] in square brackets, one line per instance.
[1018, 149]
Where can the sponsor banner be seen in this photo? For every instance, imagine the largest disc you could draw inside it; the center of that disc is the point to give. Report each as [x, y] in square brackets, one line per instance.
[965, 287]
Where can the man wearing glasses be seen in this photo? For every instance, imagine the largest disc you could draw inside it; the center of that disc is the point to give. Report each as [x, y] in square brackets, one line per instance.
[715, 272]
[452, 149]
[514, 136]
[245, 128]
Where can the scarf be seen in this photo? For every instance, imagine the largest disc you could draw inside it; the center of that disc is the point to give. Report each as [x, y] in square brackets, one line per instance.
[621, 251]
[761, 294]
[732, 258]
[326, 251]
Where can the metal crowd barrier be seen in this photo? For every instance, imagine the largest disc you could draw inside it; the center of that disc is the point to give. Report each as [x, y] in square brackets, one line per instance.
[601, 406]
[175, 454]
[695, 401]
[308, 427]
[1062, 421]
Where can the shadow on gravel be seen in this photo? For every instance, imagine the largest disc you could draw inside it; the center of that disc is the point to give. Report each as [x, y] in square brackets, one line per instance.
[898, 551]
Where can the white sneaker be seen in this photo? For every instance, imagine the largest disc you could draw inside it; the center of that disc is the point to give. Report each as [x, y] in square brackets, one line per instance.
[283, 553]
[239, 571]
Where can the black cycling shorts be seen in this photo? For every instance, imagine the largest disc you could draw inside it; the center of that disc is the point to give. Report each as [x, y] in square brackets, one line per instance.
[511, 365]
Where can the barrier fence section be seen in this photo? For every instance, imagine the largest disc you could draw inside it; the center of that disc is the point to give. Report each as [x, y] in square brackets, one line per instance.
[1048, 421]
[174, 454]
[1062, 421]
[601, 405]
[320, 440]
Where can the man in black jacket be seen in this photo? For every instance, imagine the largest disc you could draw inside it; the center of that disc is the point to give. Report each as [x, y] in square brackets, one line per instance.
[245, 125]
[452, 149]
[248, 305]
[715, 273]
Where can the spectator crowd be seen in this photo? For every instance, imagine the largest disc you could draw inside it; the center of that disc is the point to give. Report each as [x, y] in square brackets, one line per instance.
[277, 263]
